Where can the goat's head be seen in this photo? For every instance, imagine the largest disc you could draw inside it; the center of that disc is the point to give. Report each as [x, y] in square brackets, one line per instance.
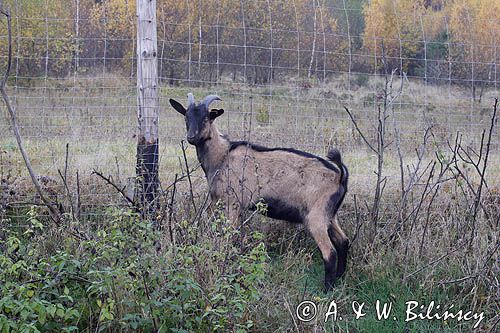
[199, 117]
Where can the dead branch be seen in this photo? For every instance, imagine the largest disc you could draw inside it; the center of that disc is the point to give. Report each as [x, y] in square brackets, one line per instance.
[110, 181]
[171, 213]
[479, 161]
[379, 151]
[54, 214]
[426, 227]
[359, 222]
[204, 204]
[64, 178]
[433, 262]
[420, 203]
[188, 175]
[68, 193]
[483, 172]
[360, 132]
[78, 197]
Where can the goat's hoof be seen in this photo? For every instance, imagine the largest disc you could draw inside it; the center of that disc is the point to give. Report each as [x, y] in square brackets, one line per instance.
[328, 287]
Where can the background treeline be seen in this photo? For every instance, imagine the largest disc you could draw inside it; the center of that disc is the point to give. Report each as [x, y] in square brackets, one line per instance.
[258, 41]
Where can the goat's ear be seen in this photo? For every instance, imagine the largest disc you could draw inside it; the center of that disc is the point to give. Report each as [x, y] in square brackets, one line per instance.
[177, 106]
[214, 113]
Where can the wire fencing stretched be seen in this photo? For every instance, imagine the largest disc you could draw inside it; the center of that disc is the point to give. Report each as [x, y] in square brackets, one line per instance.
[285, 70]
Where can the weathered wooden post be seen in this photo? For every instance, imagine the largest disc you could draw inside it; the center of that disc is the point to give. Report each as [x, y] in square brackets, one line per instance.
[147, 108]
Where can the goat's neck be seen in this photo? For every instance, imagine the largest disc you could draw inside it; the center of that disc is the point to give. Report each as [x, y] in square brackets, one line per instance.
[212, 152]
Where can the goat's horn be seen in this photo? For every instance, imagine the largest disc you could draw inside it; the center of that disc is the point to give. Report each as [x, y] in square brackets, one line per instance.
[190, 99]
[209, 99]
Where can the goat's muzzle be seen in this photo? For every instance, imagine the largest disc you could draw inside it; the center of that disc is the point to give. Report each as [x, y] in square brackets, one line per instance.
[194, 140]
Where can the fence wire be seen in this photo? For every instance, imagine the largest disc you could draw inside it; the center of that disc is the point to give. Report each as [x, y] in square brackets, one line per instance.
[285, 70]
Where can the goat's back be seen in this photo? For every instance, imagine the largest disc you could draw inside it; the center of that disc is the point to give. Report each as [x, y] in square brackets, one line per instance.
[292, 178]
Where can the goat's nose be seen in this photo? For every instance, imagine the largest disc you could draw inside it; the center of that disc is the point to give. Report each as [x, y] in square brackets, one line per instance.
[191, 139]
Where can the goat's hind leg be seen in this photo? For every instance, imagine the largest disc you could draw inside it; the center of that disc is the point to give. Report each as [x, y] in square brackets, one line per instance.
[341, 242]
[318, 227]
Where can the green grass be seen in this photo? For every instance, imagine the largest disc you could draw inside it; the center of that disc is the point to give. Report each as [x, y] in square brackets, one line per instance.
[365, 286]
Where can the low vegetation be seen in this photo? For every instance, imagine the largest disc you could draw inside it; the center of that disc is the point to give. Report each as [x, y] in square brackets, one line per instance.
[126, 276]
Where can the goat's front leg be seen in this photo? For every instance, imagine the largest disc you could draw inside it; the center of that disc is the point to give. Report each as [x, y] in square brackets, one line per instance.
[229, 206]
[233, 214]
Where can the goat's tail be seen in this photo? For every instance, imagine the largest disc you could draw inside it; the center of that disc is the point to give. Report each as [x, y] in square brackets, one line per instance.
[334, 156]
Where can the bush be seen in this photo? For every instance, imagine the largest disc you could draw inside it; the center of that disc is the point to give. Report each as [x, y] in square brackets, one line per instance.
[127, 278]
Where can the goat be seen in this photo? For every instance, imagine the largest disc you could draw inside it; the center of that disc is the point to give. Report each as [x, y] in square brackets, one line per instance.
[297, 187]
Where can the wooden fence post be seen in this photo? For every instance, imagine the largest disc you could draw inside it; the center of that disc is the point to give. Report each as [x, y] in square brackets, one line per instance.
[147, 108]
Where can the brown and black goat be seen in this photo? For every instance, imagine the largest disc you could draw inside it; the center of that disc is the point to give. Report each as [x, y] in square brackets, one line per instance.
[296, 186]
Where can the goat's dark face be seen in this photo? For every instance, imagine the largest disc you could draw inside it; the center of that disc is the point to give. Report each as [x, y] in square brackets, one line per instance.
[198, 119]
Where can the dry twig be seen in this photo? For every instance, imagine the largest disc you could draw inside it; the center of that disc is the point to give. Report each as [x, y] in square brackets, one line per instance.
[110, 181]
[54, 214]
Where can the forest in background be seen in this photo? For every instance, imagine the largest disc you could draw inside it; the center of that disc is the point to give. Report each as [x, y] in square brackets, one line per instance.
[262, 41]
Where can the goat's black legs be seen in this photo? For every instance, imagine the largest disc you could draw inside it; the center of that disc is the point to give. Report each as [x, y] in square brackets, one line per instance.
[330, 268]
[342, 264]
[341, 243]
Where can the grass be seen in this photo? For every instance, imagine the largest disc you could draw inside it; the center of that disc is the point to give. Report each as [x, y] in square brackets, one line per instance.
[96, 117]
[96, 114]
[363, 284]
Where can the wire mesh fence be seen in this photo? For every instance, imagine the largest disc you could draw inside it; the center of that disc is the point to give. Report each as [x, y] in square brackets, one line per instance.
[285, 70]
[405, 90]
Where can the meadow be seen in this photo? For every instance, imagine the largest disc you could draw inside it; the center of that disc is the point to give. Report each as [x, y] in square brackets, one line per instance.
[429, 237]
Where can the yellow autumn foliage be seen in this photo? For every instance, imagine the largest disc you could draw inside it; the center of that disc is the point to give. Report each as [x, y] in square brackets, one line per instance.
[462, 33]
[393, 27]
[257, 41]
[475, 33]
[42, 37]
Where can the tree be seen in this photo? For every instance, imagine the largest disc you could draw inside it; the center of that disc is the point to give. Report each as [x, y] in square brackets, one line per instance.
[43, 43]
[396, 25]
[475, 33]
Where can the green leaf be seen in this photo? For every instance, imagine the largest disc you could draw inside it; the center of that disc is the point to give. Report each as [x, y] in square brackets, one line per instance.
[42, 315]
[60, 313]
[52, 310]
